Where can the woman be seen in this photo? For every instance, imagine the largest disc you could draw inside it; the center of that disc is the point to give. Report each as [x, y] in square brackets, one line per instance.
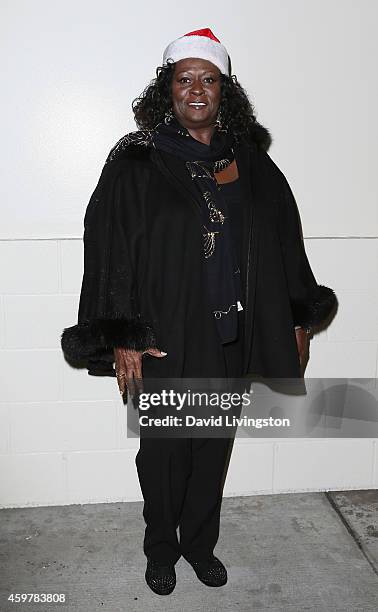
[193, 258]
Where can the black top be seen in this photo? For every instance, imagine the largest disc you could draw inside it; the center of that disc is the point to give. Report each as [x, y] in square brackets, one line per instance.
[233, 195]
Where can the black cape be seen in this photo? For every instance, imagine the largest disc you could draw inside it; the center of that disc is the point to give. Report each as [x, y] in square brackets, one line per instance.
[144, 281]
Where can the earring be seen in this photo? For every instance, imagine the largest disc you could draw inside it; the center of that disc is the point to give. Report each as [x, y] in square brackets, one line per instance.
[168, 116]
[218, 121]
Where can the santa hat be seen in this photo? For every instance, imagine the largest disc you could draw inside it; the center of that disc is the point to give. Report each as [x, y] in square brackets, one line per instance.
[200, 43]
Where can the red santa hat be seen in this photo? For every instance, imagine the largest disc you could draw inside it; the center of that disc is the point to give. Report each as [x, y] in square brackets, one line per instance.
[200, 43]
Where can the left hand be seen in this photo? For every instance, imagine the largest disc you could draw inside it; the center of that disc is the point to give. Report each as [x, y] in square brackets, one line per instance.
[303, 342]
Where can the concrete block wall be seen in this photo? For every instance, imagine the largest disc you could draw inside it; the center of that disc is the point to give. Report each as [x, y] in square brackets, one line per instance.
[63, 433]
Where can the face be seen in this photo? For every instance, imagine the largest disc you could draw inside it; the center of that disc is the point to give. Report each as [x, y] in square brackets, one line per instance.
[196, 92]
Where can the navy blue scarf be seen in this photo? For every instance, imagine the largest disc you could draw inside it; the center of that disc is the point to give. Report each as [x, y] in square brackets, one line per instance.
[201, 162]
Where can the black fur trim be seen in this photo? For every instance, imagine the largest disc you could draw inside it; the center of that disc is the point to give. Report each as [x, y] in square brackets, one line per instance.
[80, 342]
[261, 136]
[312, 313]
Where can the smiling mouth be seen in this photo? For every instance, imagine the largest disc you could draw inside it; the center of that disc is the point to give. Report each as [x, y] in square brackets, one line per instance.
[197, 104]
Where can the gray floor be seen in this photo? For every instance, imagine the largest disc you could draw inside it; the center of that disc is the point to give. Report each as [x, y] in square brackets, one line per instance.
[295, 552]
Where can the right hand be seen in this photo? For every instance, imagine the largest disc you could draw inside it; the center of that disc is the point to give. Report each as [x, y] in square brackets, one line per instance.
[128, 366]
[303, 346]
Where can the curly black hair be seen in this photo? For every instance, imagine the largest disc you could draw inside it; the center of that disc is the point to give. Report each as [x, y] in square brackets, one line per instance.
[236, 109]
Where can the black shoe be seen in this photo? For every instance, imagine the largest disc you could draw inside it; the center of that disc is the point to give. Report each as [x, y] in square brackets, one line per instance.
[160, 578]
[211, 571]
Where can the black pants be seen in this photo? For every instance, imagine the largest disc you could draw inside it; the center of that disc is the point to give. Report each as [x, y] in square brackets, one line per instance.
[182, 482]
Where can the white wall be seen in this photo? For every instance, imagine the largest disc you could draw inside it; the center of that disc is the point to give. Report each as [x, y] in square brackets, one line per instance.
[72, 70]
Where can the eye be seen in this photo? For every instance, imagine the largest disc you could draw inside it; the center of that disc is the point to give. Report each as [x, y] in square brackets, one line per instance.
[209, 79]
[184, 80]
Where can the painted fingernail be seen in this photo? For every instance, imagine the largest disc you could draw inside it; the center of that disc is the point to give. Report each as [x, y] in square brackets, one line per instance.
[162, 353]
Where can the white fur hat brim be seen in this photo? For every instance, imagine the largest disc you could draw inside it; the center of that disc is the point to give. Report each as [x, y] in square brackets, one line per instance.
[198, 46]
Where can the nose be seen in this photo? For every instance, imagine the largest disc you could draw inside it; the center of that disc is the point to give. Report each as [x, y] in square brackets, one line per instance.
[197, 88]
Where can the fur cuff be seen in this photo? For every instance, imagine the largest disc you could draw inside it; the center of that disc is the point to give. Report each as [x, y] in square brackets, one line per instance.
[314, 311]
[82, 342]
